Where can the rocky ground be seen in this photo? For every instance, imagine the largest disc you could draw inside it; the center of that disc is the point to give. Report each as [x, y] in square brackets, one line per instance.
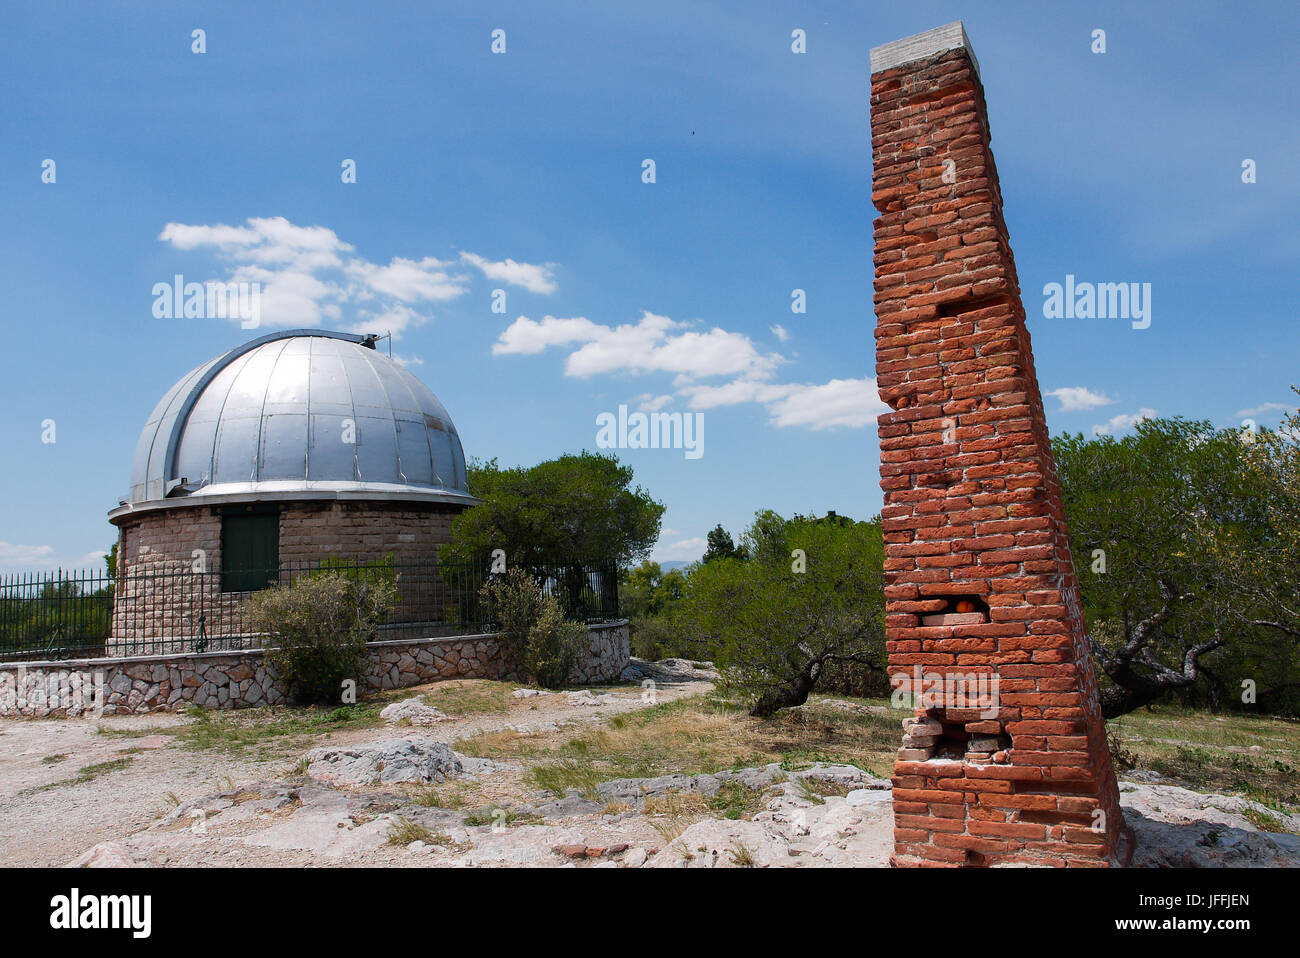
[401, 795]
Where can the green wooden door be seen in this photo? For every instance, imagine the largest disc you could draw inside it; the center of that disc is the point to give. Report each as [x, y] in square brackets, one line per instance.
[250, 552]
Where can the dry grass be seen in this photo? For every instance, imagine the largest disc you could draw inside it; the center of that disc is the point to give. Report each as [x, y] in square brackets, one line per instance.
[403, 832]
[676, 805]
[469, 696]
[1214, 752]
[669, 828]
[693, 736]
[816, 790]
[741, 856]
[451, 796]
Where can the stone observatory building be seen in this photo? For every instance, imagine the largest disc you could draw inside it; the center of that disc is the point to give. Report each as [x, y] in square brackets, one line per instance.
[295, 447]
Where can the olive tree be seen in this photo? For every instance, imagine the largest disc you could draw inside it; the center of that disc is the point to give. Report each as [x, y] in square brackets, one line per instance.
[810, 594]
[1183, 538]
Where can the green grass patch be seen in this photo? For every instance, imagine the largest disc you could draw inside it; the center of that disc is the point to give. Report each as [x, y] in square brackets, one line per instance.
[490, 815]
[1263, 820]
[92, 772]
[558, 777]
[265, 732]
[735, 801]
[1213, 753]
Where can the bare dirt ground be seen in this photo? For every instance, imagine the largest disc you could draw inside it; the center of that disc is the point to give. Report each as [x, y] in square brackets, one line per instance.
[234, 790]
[67, 785]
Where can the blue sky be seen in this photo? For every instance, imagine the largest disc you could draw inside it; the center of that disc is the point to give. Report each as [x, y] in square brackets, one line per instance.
[522, 171]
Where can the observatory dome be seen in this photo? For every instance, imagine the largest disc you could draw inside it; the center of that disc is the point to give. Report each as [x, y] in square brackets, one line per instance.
[299, 414]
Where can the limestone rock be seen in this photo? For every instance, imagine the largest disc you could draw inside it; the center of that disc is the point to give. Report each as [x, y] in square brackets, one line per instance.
[386, 762]
[587, 697]
[104, 855]
[413, 711]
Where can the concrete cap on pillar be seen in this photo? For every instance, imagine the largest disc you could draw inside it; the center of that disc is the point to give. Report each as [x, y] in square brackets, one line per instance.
[951, 36]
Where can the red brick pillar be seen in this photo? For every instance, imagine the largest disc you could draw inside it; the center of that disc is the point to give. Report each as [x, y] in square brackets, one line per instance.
[1006, 760]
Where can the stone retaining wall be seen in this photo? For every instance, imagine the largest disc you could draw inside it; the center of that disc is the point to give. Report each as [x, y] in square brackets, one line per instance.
[154, 683]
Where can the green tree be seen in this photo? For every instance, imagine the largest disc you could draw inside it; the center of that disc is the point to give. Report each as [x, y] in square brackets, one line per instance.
[1179, 541]
[1270, 575]
[811, 594]
[575, 510]
[649, 598]
[721, 546]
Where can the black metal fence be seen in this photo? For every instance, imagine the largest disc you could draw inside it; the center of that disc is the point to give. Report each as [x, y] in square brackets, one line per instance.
[174, 608]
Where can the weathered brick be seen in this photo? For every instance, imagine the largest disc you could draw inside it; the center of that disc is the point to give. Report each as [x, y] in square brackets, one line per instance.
[970, 498]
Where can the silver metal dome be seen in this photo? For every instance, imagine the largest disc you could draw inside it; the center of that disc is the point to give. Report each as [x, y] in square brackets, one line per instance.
[298, 414]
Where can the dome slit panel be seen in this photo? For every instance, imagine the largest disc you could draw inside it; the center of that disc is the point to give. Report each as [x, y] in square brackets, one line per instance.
[238, 441]
[394, 414]
[417, 453]
[351, 410]
[434, 424]
[282, 452]
[196, 452]
[378, 464]
[148, 468]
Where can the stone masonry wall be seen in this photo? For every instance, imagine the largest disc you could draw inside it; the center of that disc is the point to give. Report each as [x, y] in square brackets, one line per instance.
[222, 680]
[160, 598]
[980, 585]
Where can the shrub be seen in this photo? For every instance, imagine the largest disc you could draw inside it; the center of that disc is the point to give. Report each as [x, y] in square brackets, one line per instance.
[663, 637]
[854, 679]
[320, 625]
[536, 637]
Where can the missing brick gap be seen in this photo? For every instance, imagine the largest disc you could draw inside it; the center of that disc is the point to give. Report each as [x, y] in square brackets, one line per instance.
[955, 735]
[958, 610]
[969, 304]
[932, 96]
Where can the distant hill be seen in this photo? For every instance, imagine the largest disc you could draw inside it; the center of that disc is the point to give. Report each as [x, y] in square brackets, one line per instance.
[674, 564]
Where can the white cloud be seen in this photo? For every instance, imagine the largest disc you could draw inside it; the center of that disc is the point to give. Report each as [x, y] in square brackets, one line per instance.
[686, 550]
[526, 337]
[734, 392]
[780, 332]
[659, 344]
[1122, 421]
[852, 403]
[396, 319]
[1079, 398]
[12, 554]
[270, 241]
[652, 344]
[407, 361]
[532, 277]
[16, 558]
[311, 277]
[648, 402]
[407, 280]
[1264, 409]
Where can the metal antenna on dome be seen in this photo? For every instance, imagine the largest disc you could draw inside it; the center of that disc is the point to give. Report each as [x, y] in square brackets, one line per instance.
[370, 339]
